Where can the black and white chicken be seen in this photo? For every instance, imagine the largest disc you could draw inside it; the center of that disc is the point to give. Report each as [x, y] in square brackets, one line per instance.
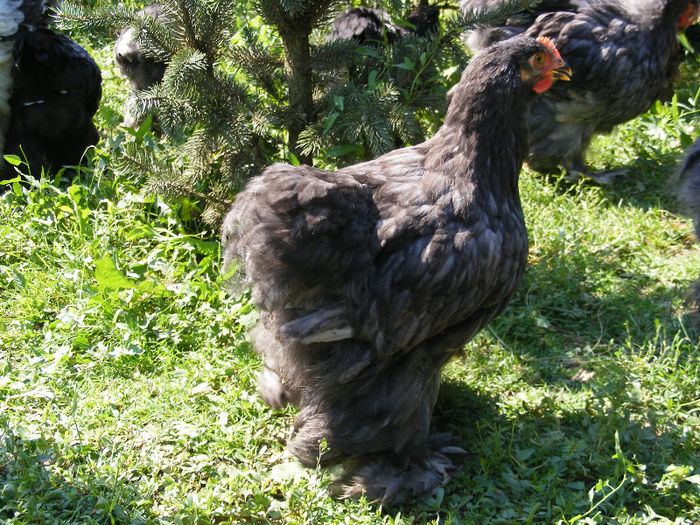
[368, 279]
[625, 56]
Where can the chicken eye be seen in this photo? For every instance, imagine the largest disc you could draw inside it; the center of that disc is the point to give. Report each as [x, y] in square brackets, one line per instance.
[538, 59]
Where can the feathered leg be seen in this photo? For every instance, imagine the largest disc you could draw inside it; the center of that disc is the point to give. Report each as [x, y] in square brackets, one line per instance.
[271, 387]
[378, 424]
[394, 479]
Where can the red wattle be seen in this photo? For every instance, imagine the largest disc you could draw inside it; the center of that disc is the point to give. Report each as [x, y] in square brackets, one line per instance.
[543, 85]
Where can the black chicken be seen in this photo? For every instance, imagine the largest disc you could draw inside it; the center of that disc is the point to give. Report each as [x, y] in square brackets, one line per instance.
[369, 278]
[39, 13]
[625, 56]
[57, 90]
[15, 17]
[365, 24]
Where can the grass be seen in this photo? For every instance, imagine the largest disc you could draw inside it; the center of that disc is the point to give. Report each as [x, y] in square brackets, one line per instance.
[127, 392]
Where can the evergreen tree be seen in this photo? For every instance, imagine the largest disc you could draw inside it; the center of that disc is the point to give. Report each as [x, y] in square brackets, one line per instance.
[295, 20]
[221, 132]
[250, 83]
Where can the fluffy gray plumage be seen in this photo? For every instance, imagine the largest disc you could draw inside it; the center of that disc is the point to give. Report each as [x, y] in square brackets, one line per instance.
[624, 56]
[690, 171]
[369, 278]
[142, 71]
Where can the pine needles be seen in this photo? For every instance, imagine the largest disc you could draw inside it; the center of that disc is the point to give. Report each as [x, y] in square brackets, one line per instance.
[251, 83]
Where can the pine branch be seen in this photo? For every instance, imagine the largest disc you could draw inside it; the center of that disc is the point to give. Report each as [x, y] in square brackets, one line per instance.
[103, 19]
[171, 184]
[157, 40]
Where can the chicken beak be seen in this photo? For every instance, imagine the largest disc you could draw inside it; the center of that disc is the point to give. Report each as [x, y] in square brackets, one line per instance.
[561, 72]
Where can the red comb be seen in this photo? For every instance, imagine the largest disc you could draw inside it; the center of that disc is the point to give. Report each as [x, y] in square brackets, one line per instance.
[546, 42]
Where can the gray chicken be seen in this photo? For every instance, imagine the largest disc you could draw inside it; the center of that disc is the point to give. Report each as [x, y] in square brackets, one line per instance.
[625, 56]
[690, 171]
[368, 279]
